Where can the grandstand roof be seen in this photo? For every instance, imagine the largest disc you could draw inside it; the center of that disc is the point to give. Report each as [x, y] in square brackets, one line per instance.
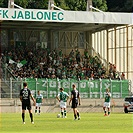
[62, 20]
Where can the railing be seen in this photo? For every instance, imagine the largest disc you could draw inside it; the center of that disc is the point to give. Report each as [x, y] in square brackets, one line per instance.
[87, 88]
[6, 72]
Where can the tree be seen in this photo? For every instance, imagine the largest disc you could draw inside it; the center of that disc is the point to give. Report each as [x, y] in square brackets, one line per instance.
[1, 3]
[22, 3]
[80, 5]
[120, 5]
[32, 4]
[38, 4]
[4, 3]
[100, 4]
[61, 4]
[128, 7]
[77, 5]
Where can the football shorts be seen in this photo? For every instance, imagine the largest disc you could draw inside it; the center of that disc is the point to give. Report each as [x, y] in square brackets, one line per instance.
[106, 104]
[62, 104]
[38, 104]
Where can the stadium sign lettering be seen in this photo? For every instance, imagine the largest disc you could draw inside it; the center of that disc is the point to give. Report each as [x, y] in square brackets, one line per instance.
[3, 13]
[107, 85]
[39, 15]
[32, 15]
[88, 89]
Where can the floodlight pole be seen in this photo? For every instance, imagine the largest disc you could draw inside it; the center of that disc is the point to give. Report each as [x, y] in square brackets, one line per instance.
[90, 7]
[89, 3]
[18, 6]
[11, 4]
[95, 9]
[53, 6]
[49, 5]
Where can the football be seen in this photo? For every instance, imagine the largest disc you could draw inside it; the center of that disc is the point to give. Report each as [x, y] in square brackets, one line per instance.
[58, 115]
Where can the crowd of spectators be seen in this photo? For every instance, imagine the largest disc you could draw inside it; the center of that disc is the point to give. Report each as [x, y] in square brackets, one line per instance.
[43, 63]
[114, 74]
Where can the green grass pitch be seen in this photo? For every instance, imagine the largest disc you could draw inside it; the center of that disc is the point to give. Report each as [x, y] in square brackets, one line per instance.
[49, 123]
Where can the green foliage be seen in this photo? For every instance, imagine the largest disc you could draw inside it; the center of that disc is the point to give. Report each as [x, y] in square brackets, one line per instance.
[22, 3]
[32, 4]
[120, 5]
[128, 7]
[61, 4]
[38, 4]
[75, 5]
[100, 4]
[4, 3]
[1, 3]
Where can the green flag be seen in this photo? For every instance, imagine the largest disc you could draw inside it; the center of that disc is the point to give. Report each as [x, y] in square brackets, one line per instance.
[21, 63]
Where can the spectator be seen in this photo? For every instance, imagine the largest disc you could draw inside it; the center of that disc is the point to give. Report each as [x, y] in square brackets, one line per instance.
[78, 57]
[43, 63]
[122, 76]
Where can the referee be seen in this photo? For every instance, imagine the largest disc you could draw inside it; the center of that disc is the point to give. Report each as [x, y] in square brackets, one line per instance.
[25, 95]
[75, 98]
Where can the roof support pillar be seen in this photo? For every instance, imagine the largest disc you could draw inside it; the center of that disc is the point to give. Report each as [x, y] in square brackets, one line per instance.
[89, 42]
[50, 39]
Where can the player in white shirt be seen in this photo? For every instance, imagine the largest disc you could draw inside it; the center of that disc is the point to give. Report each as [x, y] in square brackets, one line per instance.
[39, 100]
[62, 97]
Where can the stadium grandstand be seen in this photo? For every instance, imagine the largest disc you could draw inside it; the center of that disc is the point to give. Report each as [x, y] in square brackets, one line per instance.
[55, 48]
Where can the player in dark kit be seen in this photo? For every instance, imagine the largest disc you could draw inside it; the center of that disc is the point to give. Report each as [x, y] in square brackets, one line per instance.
[25, 95]
[75, 98]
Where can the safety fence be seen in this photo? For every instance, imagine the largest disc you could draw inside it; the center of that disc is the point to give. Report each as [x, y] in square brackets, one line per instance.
[50, 87]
